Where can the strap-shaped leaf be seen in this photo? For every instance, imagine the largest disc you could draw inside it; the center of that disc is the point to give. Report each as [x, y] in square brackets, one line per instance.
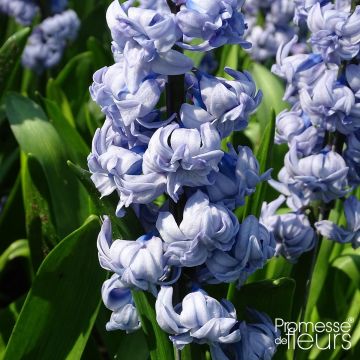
[12, 217]
[40, 230]
[10, 53]
[158, 341]
[128, 228]
[273, 297]
[37, 136]
[16, 249]
[273, 91]
[265, 158]
[61, 307]
[350, 265]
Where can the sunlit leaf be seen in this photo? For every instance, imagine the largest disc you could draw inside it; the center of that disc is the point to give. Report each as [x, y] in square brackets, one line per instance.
[61, 307]
[38, 137]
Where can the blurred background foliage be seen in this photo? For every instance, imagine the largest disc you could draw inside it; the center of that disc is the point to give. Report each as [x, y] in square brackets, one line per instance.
[50, 279]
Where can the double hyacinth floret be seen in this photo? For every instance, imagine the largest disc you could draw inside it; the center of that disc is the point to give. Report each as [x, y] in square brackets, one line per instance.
[48, 40]
[141, 153]
[201, 319]
[322, 127]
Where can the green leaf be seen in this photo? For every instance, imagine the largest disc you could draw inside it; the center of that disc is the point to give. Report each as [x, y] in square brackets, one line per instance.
[128, 227]
[322, 266]
[8, 318]
[158, 341]
[273, 92]
[69, 68]
[100, 56]
[76, 147]
[19, 248]
[61, 307]
[274, 297]
[229, 58]
[7, 164]
[12, 217]
[69, 202]
[40, 230]
[10, 54]
[350, 265]
[132, 346]
[55, 93]
[265, 158]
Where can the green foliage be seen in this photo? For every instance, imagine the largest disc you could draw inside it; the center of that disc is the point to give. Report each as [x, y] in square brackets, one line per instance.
[158, 342]
[10, 54]
[61, 307]
[38, 137]
[273, 91]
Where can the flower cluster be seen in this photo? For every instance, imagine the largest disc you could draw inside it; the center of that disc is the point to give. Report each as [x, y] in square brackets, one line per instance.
[270, 24]
[141, 153]
[48, 40]
[23, 11]
[322, 127]
[202, 319]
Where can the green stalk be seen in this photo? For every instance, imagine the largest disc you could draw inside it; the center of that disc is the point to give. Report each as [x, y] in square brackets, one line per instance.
[175, 97]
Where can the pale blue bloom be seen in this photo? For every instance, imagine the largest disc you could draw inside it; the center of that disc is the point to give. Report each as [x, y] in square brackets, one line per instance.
[293, 232]
[257, 341]
[145, 37]
[23, 11]
[352, 157]
[110, 158]
[226, 103]
[349, 234]
[186, 157]
[125, 102]
[111, 89]
[302, 8]
[204, 228]
[253, 246]
[198, 318]
[216, 22]
[267, 39]
[321, 176]
[330, 104]
[158, 5]
[294, 127]
[238, 176]
[352, 72]
[117, 297]
[301, 71]
[126, 319]
[139, 264]
[115, 167]
[335, 32]
[48, 40]
[275, 28]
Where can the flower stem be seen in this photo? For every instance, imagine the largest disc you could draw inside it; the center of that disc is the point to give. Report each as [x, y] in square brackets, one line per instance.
[175, 97]
[310, 260]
